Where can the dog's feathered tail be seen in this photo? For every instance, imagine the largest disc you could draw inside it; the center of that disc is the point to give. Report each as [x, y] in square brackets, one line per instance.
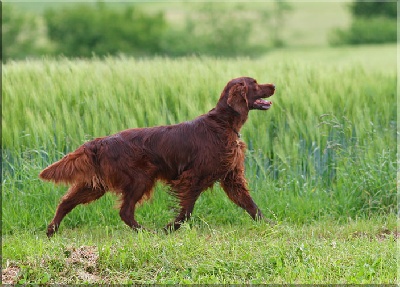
[77, 166]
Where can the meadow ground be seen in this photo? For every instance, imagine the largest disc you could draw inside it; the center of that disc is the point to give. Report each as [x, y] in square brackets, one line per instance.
[360, 251]
[321, 162]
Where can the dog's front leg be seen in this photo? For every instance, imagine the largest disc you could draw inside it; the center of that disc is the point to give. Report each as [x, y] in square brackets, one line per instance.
[235, 186]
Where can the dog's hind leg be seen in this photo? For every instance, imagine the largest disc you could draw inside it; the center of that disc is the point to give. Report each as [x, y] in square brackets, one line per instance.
[187, 188]
[187, 205]
[131, 195]
[77, 194]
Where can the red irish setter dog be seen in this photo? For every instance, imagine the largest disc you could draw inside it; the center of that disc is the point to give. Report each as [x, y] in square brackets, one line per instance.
[190, 157]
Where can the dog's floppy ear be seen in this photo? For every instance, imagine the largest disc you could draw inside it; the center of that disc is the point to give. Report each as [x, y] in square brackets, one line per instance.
[237, 98]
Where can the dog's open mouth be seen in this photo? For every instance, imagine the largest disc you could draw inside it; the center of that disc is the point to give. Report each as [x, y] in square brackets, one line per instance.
[261, 104]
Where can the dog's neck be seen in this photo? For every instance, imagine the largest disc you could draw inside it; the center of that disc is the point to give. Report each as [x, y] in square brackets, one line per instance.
[229, 118]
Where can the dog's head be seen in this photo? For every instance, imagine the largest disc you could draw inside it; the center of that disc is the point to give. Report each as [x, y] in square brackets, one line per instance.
[246, 94]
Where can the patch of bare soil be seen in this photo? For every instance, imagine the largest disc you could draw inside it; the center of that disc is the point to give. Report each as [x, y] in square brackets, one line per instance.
[382, 234]
[386, 233]
[85, 261]
[9, 275]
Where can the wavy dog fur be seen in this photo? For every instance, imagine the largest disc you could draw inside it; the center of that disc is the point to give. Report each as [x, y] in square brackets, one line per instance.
[190, 157]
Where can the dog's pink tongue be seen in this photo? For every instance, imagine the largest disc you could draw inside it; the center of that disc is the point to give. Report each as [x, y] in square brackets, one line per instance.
[263, 103]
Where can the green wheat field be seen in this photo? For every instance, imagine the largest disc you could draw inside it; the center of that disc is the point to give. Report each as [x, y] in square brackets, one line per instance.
[321, 162]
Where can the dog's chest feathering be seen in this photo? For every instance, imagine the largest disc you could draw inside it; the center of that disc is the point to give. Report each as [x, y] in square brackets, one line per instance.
[234, 154]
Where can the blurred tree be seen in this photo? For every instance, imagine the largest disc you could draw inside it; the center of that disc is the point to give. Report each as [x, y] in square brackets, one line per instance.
[280, 9]
[362, 8]
[225, 30]
[210, 31]
[373, 22]
[84, 30]
[20, 34]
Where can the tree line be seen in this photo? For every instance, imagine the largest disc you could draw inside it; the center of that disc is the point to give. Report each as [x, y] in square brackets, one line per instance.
[84, 30]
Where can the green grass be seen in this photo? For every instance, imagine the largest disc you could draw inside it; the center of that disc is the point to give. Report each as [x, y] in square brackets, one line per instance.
[321, 162]
[375, 58]
[359, 252]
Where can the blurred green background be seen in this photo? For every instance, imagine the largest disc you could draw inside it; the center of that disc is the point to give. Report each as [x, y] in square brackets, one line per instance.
[163, 28]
